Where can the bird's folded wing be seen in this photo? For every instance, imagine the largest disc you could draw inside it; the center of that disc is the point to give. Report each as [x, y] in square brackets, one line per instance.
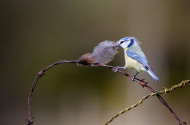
[138, 58]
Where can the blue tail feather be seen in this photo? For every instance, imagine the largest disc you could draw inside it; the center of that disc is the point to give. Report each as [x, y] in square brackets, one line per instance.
[153, 75]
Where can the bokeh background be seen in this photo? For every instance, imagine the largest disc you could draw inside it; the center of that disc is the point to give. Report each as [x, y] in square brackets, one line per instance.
[36, 33]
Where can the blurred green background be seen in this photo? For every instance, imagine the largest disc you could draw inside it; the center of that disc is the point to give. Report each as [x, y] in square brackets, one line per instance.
[36, 33]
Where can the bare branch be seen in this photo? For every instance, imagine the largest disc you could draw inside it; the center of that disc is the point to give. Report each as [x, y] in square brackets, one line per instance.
[40, 74]
[87, 60]
[180, 85]
[144, 84]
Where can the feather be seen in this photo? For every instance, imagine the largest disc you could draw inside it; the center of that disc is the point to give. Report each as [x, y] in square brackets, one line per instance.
[153, 75]
[105, 52]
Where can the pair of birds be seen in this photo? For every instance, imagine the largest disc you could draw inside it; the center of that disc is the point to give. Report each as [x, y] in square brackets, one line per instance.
[135, 59]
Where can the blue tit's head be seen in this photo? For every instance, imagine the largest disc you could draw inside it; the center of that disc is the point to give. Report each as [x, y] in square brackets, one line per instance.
[127, 42]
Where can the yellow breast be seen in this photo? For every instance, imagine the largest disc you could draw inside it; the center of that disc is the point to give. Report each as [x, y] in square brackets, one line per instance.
[132, 64]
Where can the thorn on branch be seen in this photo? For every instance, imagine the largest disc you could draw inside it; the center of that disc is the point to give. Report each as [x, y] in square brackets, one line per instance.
[30, 122]
[184, 123]
[40, 73]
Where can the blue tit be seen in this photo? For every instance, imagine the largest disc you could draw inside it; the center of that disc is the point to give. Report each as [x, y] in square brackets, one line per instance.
[135, 59]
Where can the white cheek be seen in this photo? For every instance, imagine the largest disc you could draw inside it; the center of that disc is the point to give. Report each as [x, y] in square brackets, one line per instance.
[125, 45]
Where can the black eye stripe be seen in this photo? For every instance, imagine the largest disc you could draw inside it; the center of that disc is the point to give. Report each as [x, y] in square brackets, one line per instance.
[121, 42]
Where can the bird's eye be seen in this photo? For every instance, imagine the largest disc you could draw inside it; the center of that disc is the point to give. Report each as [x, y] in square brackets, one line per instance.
[121, 42]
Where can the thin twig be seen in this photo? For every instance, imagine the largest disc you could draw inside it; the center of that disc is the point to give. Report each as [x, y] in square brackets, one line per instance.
[129, 108]
[180, 85]
[40, 74]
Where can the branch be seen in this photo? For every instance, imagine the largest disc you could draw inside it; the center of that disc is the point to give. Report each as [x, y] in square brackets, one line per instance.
[39, 75]
[88, 61]
[144, 84]
[180, 85]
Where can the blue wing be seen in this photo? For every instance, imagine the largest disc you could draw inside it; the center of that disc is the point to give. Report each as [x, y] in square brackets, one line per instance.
[143, 61]
[138, 58]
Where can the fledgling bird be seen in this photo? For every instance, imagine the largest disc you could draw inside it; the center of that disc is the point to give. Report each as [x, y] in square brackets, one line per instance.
[135, 59]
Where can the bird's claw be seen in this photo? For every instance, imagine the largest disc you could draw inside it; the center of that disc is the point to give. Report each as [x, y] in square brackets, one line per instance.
[133, 78]
[116, 68]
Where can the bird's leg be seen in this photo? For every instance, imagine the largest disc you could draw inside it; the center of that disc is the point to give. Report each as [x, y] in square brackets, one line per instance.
[117, 68]
[134, 76]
